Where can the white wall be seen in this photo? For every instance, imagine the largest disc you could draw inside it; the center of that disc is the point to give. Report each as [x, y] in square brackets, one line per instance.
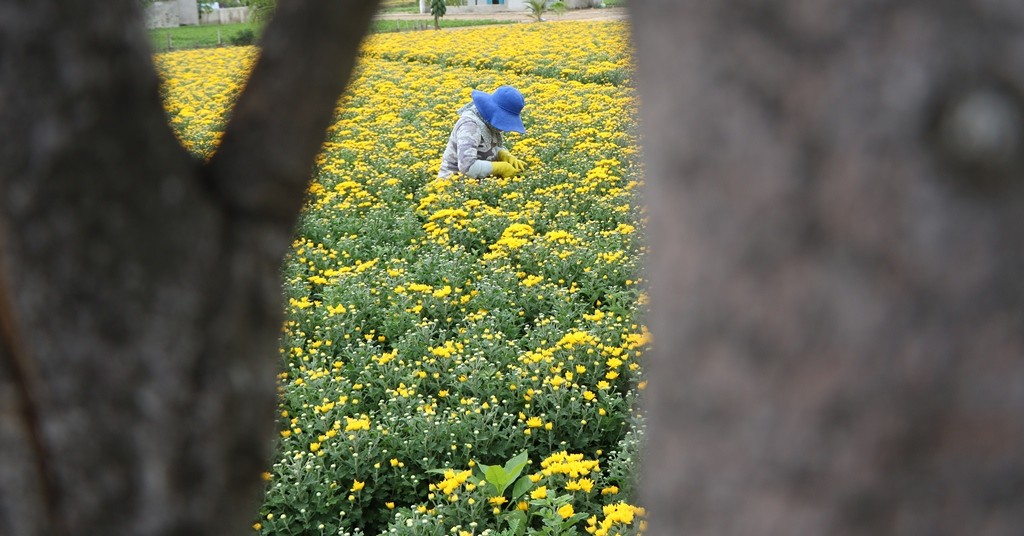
[171, 13]
[227, 15]
[161, 15]
[481, 6]
[188, 12]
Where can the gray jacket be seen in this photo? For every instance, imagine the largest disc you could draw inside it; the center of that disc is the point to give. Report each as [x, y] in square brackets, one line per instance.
[472, 146]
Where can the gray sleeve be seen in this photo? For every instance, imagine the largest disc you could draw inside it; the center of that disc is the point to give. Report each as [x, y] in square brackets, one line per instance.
[467, 138]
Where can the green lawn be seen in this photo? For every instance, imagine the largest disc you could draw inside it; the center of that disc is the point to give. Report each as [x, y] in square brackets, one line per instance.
[400, 6]
[197, 36]
[184, 37]
[384, 26]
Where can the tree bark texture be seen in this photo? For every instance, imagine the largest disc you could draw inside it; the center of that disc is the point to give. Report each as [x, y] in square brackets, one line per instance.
[139, 287]
[836, 197]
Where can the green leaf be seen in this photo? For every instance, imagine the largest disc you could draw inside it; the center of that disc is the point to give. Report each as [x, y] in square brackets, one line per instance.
[501, 477]
[497, 477]
[516, 521]
[522, 486]
[572, 521]
[481, 467]
[515, 466]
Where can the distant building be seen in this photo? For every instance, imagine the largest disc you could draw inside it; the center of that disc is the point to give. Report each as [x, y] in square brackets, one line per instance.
[171, 13]
[510, 5]
[481, 5]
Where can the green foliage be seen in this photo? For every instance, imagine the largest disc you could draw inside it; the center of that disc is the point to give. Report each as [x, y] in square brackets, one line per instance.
[243, 37]
[538, 8]
[201, 36]
[400, 6]
[203, 8]
[386, 26]
[457, 355]
[260, 11]
[553, 501]
[624, 461]
[500, 478]
[438, 9]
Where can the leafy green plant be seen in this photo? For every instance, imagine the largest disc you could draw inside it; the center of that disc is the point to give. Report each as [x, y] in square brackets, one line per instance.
[243, 37]
[203, 9]
[499, 478]
[537, 8]
[438, 8]
[260, 11]
[198, 36]
[557, 516]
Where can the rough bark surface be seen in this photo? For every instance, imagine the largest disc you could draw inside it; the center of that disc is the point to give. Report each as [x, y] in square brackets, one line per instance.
[836, 198]
[139, 287]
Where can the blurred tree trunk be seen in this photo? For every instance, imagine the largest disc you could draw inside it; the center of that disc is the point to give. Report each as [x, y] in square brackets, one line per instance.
[836, 197]
[139, 286]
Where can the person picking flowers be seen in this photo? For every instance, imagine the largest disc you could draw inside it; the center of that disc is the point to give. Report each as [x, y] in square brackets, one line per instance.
[475, 147]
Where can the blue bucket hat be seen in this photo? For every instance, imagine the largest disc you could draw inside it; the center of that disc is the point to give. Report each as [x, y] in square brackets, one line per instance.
[501, 109]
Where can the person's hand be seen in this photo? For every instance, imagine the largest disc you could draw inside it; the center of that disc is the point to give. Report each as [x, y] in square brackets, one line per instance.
[507, 157]
[503, 169]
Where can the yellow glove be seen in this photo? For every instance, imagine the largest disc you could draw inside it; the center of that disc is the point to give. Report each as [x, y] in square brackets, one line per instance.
[503, 169]
[506, 156]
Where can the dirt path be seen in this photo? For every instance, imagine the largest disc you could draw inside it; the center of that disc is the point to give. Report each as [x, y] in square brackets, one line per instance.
[608, 13]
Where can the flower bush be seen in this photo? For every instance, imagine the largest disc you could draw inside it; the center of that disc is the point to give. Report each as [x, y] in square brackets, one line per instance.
[439, 327]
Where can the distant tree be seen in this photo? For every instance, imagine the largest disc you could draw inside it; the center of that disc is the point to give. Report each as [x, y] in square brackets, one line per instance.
[438, 9]
[203, 9]
[260, 11]
[538, 8]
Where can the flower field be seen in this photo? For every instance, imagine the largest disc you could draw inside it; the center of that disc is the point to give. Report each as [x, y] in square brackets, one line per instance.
[458, 357]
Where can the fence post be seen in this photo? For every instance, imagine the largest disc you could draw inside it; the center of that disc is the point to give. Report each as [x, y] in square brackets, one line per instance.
[168, 40]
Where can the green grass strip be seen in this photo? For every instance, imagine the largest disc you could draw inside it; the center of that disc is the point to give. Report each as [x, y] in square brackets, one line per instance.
[204, 36]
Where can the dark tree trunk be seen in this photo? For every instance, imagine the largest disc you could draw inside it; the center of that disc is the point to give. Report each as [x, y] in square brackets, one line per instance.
[139, 288]
[836, 206]
[836, 197]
